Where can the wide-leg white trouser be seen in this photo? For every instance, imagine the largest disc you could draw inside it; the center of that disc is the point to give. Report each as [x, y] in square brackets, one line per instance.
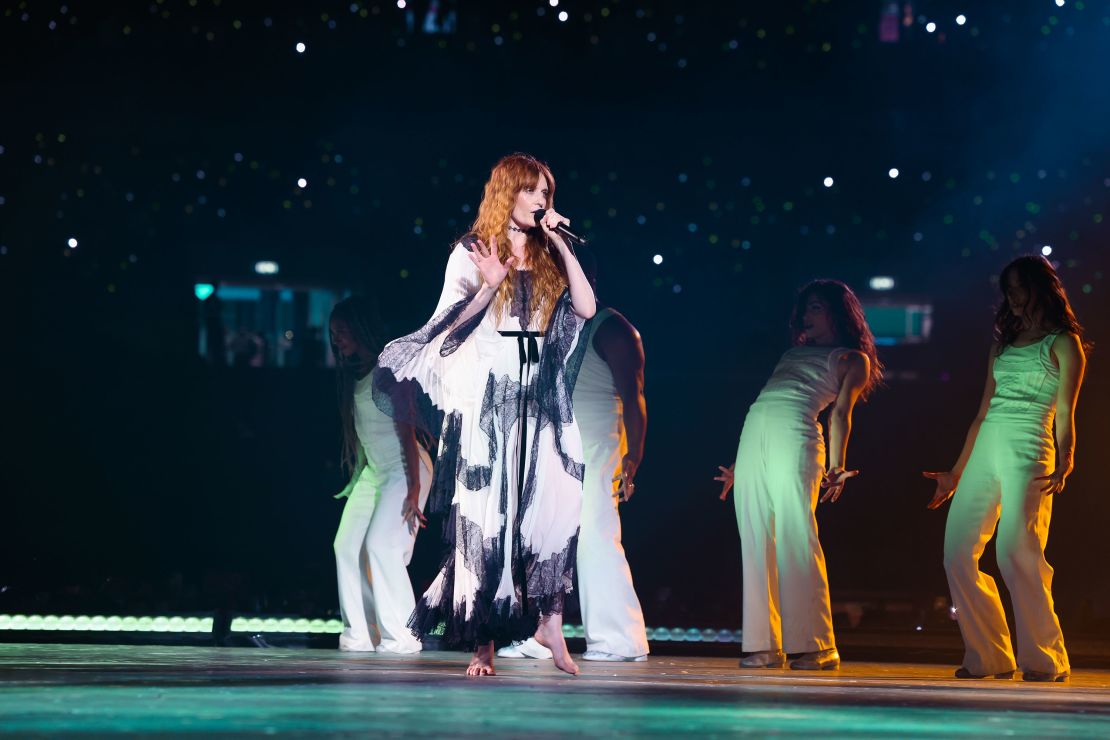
[998, 490]
[373, 546]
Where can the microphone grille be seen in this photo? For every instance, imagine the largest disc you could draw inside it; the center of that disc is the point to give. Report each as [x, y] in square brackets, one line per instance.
[538, 214]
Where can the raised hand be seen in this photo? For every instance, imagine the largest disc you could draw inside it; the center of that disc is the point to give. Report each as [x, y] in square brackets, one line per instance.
[489, 262]
[946, 486]
[833, 481]
[726, 477]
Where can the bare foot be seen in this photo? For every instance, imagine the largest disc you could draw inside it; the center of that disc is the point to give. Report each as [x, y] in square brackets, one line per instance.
[482, 662]
[550, 635]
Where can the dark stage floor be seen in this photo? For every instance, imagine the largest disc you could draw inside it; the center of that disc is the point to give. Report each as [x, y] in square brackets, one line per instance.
[54, 689]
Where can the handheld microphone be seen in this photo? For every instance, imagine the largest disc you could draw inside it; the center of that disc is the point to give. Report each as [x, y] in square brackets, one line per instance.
[561, 228]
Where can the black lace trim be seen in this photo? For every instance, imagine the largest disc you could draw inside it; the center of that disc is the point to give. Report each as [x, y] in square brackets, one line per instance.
[547, 582]
[521, 307]
[405, 400]
[557, 378]
[461, 332]
[542, 587]
[451, 467]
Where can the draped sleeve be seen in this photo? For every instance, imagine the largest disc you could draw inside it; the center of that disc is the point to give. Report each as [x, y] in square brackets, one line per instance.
[423, 375]
[461, 279]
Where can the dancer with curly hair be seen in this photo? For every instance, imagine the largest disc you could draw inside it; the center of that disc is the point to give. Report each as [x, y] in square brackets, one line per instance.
[780, 470]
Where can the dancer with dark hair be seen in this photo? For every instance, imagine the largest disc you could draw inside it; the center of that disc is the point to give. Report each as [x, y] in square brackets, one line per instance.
[1007, 476]
[780, 471]
[497, 364]
[390, 477]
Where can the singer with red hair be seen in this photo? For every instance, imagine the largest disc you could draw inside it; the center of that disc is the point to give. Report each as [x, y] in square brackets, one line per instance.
[492, 374]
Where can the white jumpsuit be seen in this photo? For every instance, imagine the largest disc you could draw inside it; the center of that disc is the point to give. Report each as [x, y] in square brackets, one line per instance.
[778, 472]
[611, 613]
[997, 489]
[376, 604]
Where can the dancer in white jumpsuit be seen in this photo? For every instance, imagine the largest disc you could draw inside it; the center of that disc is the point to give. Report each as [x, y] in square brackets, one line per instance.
[780, 470]
[612, 415]
[1007, 475]
[391, 476]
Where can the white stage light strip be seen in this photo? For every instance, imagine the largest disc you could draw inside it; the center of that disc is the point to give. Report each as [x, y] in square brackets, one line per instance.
[71, 623]
[288, 625]
[334, 626]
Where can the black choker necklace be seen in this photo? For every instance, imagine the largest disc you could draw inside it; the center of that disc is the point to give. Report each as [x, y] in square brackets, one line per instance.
[513, 227]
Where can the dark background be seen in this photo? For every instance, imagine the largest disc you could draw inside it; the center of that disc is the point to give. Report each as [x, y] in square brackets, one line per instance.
[138, 477]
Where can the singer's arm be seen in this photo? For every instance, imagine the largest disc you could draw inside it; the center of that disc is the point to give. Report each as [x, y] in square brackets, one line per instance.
[464, 279]
[581, 294]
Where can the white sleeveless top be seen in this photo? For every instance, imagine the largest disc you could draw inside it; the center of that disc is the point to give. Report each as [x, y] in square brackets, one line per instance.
[597, 407]
[595, 379]
[805, 381]
[1026, 380]
[377, 435]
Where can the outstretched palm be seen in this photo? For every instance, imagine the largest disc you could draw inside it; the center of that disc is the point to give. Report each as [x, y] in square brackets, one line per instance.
[727, 477]
[833, 482]
[946, 486]
[489, 262]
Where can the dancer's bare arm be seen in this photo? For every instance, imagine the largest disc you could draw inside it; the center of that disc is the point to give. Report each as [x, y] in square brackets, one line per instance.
[1069, 355]
[855, 369]
[410, 452]
[581, 294]
[618, 343]
[949, 479]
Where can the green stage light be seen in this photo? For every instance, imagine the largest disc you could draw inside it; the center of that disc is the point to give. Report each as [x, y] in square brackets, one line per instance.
[287, 625]
[101, 623]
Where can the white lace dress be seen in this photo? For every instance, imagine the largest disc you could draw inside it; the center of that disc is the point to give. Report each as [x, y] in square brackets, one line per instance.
[509, 468]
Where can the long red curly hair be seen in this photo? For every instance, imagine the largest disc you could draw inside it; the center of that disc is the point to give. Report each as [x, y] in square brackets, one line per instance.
[509, 176]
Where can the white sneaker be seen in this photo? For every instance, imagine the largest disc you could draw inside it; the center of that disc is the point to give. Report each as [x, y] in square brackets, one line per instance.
[527, 649]
[348, 645]
[612, 657]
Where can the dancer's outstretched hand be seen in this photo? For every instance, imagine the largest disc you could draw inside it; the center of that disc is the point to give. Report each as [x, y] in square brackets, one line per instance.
[726, 478]
[833, 481]
[1055, 481]
[946, 486]
[489, 263]
[411, 512]
[628, 472]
